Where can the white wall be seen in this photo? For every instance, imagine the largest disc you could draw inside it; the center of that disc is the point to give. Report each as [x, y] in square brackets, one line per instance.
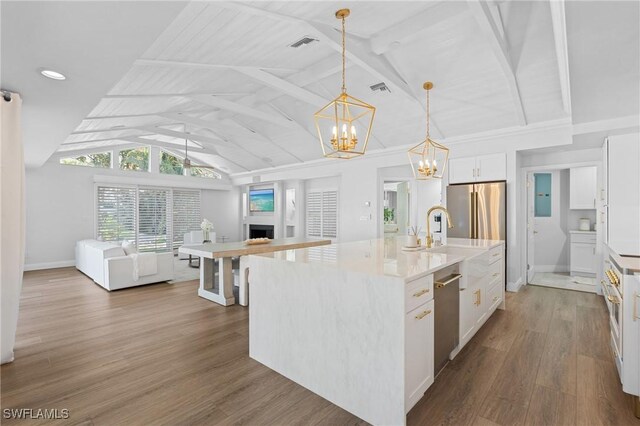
[60, 205]
[551, 245]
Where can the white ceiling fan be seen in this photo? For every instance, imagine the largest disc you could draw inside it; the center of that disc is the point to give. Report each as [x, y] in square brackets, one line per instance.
[187, 162]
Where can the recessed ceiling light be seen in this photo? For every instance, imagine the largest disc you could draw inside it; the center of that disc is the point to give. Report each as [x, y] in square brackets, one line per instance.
[54, 75]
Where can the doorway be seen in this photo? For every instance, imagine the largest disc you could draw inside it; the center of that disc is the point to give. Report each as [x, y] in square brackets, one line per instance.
[396, 207]
[556, 230]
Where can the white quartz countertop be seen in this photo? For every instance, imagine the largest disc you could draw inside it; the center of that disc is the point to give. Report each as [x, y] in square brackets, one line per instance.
[629, 264]
[385, 257]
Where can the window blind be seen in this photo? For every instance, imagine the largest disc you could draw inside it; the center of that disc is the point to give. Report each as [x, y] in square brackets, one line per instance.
[116, 213]
[154, 221]
[322, 214]
[186, 214]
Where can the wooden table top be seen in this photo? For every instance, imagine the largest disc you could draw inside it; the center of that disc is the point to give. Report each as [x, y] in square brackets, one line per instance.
[239, 248]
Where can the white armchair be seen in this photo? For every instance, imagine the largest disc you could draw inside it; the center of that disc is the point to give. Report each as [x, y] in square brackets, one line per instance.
[194, 238]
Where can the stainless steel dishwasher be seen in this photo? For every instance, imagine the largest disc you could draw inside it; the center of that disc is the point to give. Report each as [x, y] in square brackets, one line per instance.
[447, 316]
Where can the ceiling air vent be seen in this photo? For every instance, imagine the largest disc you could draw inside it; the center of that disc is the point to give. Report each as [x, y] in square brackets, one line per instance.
[381, 87]
[304, 40]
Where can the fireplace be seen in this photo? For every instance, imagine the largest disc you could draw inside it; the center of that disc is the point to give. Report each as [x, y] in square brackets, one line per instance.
[261, 231]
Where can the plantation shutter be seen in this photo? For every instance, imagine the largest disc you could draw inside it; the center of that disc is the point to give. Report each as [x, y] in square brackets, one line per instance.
[322, 214]
[314, 214]
[186, 214]
[154, 222]
[330, 214]
[116, 213]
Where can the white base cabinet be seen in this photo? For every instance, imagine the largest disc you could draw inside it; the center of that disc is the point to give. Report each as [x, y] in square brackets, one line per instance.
[419, 352]
[582, 253]
[484, 292]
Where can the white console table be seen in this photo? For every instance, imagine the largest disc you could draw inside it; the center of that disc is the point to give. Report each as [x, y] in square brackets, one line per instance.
[223, 292]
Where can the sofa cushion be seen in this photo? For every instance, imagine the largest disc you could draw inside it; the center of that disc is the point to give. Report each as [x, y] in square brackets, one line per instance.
[129, 247]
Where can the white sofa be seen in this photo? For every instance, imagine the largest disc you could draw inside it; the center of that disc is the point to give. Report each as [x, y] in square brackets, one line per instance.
[108, 266]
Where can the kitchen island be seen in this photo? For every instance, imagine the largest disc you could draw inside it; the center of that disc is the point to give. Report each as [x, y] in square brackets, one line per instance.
[354, 322]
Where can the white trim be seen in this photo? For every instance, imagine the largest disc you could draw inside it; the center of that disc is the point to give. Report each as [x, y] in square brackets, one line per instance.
[49, 265]
[515, 287]
[165, 181]
[524, 200]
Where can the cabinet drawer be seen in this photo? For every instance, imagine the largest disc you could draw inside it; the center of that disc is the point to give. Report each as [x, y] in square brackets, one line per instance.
[494, 295]
[491, 256]
[495, 272]
[418, 292]
[583, 238]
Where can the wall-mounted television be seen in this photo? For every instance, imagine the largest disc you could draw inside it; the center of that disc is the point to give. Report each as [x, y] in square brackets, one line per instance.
[261, 200]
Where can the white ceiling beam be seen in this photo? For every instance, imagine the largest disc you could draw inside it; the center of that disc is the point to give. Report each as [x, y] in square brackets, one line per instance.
[75, 151]
[559, 23]
[412, 28]
[484, 17]
[146, 114]
[160, 144]
[170, 95]
[243, 110]
[356, 51]
[182, 135]
[284, 86]
[197, 65]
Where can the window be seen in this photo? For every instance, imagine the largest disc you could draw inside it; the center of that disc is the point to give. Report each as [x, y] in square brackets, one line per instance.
[100, 159]
[156, 219]
[170, 164]
[322, 214]
[135, 159]
[116, 213]
[186, 214]
[153, 219]
[542, 199]
[205, 173]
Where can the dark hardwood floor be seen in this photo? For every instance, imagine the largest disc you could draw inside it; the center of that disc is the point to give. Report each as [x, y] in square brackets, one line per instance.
[159, 354]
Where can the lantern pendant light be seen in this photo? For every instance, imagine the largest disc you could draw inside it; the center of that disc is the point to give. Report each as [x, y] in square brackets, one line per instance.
[343, 120]
[429, 158]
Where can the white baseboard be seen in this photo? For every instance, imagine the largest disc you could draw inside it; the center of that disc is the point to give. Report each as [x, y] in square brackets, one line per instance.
[49, 265]
[515, 287]
[550, 268]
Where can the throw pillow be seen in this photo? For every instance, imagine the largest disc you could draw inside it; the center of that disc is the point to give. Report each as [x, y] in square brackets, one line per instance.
[129, 247]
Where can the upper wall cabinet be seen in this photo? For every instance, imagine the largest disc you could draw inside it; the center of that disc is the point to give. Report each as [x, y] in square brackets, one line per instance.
[482, 168]
[583, 187]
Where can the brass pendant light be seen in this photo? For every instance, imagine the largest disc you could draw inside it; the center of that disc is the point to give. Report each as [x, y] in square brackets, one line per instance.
[341, 121]
[429, 158]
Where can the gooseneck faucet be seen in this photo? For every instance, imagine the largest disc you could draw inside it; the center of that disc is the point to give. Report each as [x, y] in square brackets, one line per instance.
[429, 241]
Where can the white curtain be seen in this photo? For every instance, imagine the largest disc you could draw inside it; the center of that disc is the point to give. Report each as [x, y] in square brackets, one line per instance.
[12, 220]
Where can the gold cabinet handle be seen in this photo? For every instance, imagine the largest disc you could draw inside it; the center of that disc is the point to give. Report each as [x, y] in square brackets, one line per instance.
[423, 314]
[614, 300]
[421, 292]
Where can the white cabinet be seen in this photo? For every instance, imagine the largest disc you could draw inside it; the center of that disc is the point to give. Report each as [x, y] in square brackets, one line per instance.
[419, 352]
[483, 168]
[484, 291]
[623, 194]
[583, 187]
[462, 170]
[583, 257]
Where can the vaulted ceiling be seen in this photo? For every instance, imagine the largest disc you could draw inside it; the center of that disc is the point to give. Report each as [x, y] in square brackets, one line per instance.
[225, 72]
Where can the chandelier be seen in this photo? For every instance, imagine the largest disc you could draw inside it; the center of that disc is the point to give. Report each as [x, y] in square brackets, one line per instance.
[341, 121]
[429, 158]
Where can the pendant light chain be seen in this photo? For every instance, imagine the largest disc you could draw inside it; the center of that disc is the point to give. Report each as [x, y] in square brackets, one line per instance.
[427, 114]
[344, 84]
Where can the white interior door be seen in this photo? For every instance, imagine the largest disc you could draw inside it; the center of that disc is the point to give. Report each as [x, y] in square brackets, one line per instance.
[530, 226]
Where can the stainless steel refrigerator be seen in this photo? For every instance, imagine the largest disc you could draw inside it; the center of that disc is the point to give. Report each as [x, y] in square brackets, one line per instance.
[478, 210]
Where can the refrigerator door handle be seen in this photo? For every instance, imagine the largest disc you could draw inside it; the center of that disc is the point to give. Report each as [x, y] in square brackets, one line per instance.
[473, 214]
